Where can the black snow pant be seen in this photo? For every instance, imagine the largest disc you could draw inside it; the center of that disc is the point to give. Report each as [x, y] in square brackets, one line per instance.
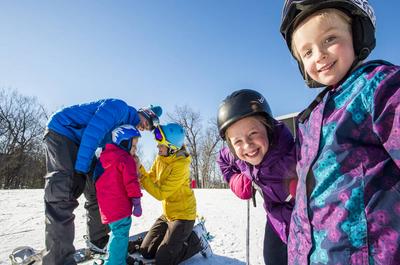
[62, 189]
[170, 242]
[275, 250]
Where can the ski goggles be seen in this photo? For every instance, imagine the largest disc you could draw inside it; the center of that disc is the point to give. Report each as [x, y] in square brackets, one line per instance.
[159, 136]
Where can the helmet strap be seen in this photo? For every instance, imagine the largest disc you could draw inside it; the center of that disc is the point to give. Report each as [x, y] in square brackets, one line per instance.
[171, 151]
[126, 145]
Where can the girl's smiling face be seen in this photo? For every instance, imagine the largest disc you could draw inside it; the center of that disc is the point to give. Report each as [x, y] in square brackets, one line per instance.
[323, 43]
[249, 139]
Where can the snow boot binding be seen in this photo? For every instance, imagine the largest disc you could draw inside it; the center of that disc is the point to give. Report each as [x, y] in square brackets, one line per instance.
[132, 261]
[26, 256]
[94, 247]
[139, 261]
[134, 245]
[201, 232]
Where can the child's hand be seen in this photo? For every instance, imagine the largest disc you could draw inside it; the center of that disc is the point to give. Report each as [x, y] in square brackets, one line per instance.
[241, 186]
[137, 207]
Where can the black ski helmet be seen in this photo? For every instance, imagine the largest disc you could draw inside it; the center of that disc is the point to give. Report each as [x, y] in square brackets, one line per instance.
[360, 11]
[241, 103]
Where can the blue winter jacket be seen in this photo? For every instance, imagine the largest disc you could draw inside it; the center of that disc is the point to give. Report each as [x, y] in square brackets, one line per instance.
[90, 125]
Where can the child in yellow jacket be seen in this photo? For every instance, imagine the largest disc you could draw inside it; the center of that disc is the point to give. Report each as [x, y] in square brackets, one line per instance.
[172, 239]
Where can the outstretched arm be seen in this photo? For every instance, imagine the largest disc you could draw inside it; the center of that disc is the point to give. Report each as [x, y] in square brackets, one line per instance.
[239, 183]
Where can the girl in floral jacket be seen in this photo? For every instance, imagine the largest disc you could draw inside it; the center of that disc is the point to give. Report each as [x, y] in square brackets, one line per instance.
[348, 149]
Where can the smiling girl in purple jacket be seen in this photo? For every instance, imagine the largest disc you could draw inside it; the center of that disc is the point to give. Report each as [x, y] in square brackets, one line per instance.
[260, 155]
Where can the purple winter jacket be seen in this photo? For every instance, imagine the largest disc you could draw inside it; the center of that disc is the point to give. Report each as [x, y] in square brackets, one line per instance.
[272, 176]
[347, 208]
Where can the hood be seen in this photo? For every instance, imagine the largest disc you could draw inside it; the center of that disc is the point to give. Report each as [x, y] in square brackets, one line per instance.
[283, 143]
[111, 153]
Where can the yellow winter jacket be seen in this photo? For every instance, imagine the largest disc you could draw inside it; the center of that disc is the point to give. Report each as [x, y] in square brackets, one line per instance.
[169, 181]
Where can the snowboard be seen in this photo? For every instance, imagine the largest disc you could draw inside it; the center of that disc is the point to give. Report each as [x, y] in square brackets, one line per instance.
[133, 249]
[26, 255]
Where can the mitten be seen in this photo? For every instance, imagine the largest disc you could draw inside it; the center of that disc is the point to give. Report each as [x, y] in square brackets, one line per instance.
[137, 207]
[240, 184]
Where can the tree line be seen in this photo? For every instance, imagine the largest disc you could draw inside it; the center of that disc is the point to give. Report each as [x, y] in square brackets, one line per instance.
[22, 158]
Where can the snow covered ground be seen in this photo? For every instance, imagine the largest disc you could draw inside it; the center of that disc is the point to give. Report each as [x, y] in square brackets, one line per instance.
[22, 223]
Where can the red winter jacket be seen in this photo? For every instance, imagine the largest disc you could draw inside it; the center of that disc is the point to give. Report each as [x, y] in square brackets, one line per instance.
[117, 185]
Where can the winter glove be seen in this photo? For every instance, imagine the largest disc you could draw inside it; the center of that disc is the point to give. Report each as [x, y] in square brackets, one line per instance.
[240, 184]
[137, 207]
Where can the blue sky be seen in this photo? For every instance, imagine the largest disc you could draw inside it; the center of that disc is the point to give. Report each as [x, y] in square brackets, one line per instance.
[166, 52]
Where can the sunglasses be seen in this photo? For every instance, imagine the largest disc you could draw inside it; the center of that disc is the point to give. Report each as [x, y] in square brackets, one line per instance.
[160, 138]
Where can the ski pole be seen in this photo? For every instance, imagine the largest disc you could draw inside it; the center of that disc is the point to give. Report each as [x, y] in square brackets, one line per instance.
[248, 234]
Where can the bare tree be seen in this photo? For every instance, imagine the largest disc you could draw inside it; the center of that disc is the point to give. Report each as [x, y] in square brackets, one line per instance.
[22, 121]
[209, 147]
[203, 145]
[191, 121]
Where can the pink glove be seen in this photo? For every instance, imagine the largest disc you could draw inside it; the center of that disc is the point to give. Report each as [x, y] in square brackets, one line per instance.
[137, 207]
[241, 186]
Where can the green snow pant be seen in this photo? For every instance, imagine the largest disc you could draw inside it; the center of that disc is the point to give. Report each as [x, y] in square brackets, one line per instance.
[62, 189]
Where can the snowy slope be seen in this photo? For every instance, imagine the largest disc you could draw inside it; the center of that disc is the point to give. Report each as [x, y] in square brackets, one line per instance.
[22, 223]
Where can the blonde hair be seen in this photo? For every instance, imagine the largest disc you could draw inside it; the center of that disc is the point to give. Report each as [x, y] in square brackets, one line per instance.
[327, 15]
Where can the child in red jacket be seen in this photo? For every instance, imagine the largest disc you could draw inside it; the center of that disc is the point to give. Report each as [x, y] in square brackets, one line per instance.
[118, 190]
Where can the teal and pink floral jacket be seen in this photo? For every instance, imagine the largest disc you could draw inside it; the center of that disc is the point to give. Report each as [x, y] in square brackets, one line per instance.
[347, 208]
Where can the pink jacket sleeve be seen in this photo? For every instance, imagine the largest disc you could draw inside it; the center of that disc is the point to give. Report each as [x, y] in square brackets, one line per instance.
[241, 186]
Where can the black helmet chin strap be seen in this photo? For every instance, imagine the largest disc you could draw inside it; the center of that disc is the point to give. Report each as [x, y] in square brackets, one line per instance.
[306, 113]
[171, 151]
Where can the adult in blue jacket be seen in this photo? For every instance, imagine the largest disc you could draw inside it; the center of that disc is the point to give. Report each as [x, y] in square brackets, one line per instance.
[73, 134]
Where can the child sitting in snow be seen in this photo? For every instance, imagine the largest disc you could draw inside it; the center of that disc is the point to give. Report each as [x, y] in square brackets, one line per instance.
[172, 238]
